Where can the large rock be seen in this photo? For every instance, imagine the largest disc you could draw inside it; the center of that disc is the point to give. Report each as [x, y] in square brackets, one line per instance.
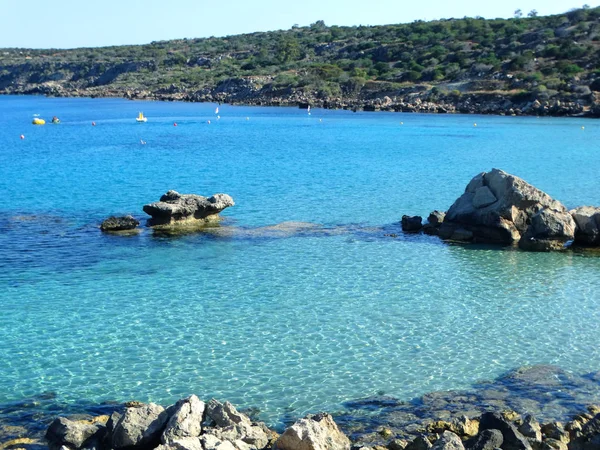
[589, 437]
[72, 434]
[549, 230]
[531, 428]
[123, 223]
[314, 432]
[186, 420]
[419, 443]
[496, 208]
[411, 224]
[513, 440]
[175, 208]
[140, 426]
[234, 426]
[486, 440]
[225, 414]
[448, 441]
[587, 219]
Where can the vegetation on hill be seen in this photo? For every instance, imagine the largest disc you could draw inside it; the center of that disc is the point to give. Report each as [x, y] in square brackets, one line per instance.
[536, 58]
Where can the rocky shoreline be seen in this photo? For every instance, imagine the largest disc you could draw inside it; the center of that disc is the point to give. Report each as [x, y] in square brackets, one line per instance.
[248, 92]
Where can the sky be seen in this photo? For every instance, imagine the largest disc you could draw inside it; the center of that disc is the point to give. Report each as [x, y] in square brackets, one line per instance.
[77, 23]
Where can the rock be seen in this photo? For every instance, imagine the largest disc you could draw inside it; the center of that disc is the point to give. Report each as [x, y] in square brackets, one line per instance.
[211, 442]
[590, 436]
[436, 217]
[412, 224]
[225, 414]
[419, 443]
[175, 208]
[452, 233]
[555, 430]
[186, 420]
[461, 426]
[553, 444]
[123, 223]
[188, 443]
[505, 220]
[397, 444]
[448, 441]
[73, 434]
[256, 436]
[587, 219]
[140, 426]
[483, 197]
[513, 440]
[486, 440]
[549, 230]
[531, 428]
[314, 432]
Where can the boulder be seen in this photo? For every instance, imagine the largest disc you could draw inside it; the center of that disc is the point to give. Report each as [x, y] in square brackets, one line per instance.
[589, 437]
[314, 432]
[72, 434]
[225, 414]
[419, 443]
[412, 224]
[555, 430]
[503, 220]
[233, 426]
[486, 440]
[186, 420]
[436, 218]
[175, 208]
[140, 426]
[188, 443]
[553, 444]
[461, 426]
[587, 219]
[549, 230]
[512, 439]
[448, 441]
[123, 223]
[531, 428]
[211, 442]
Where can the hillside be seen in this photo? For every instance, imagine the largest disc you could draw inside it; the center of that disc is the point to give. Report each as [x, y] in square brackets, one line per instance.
[534, 65]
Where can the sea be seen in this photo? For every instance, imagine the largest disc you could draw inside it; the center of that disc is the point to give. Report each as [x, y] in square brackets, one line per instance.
[308, 295]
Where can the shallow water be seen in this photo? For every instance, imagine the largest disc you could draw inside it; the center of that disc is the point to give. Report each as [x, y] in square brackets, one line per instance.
[288, 321]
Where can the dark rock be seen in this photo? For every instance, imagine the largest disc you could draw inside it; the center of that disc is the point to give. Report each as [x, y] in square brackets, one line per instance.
[73, 434]
[140, 426]
[587, 219]
[590, 436]
[513, 440]
[553, 444]
[448, 441]
[412, 224]
[555, 430]
[419, 443]
[436, 217]
[549, 230]
[485, 440]
[531, 428]
[123, 223]
[397, 444]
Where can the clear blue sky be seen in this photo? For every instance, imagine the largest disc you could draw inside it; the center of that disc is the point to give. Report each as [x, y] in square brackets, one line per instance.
[89, 23]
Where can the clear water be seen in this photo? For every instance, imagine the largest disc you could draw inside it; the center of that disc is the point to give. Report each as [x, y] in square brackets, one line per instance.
[289, 322]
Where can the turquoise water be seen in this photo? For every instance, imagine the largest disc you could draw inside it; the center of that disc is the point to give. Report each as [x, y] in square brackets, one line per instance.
[286, 322]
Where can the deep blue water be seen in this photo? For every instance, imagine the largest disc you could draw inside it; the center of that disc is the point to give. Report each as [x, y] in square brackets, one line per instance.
[291, 321]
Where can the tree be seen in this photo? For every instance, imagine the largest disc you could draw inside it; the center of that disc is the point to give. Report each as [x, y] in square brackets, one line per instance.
[518, 14]
[533, 13]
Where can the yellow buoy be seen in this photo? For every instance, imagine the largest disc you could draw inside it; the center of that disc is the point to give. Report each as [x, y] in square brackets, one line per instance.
[474, 124]
[38, 121]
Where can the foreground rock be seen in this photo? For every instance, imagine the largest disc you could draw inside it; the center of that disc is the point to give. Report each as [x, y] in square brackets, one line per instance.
[140, 427]
[587, 219]
[124, 223]
[314, 432]
[186, 210]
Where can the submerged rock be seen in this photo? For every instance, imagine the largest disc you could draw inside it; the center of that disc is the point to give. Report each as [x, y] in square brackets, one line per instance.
[499, 208]
[175, 209]
[123, 223]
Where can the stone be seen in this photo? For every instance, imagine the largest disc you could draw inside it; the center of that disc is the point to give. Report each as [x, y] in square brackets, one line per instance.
[188, 443]
[397, 444]
[587, 220]
[419, 443]
[175, 208]
[461, 426]
[555, 430]
[448, 441]
[225, 414]
[436, 218]
[531, 428]
[513, 440]
[255, 435]
[412, 224]
[549, 230]
[483, 197]
[123, 223]
[140, 426]
[589, 438]
[485, 440]
[314, 432]
[73, 434]
[210, 442]
[186, 419]
[553, 444]
[505, 220]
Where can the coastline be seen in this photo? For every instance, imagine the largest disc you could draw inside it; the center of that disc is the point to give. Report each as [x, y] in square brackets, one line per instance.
[405, 101]
[548, 393]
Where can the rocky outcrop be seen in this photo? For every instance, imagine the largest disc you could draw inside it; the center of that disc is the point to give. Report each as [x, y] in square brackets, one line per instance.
[314, 432]
[175, 209]
[123, 223]
[498, 208]
[140, 427]
[587, 219]
[411, 224]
